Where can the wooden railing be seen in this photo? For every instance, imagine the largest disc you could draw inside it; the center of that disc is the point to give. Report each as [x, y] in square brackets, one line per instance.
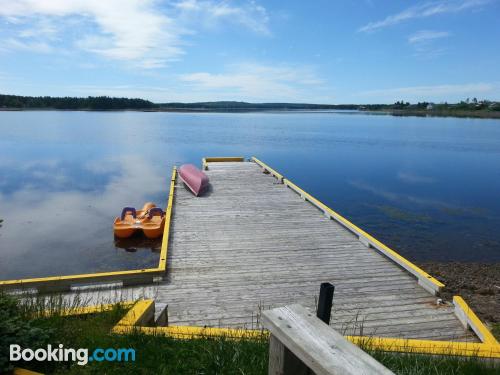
[300, 343]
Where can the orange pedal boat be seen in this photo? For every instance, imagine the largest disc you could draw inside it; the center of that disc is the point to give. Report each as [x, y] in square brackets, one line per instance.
[150, 220]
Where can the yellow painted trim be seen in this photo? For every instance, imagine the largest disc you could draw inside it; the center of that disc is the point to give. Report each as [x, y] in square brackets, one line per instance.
[87, 309]
[131, 323]
[168, 218]
[190, 332]
[427, 281]
[466, 349]
[22, 371]
[220, 159]
[470, 319]
[136, 313]
[268, 168]
[81, 277]
[68, 280]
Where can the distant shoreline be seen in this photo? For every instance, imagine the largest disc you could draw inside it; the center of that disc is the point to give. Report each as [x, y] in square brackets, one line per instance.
[439, 113]
[400, 113]
[474, 109]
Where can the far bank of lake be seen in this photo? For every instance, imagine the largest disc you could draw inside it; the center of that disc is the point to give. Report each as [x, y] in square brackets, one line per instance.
[481, 114]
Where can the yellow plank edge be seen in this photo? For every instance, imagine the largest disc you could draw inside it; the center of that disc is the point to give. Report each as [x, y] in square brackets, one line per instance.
[219, 159]
[80, 277]
[435, 285]
[168, 217]
[268, 168]
[470, 319]
[190, 332]
[132, 320]
[87, 309]
[137, 313]
[466, 349]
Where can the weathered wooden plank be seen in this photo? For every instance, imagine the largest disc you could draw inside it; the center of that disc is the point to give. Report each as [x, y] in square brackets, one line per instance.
[322, 350]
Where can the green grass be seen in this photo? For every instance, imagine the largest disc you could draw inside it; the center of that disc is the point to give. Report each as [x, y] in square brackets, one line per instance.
[163, 355]
[414, 364]
[154, 354]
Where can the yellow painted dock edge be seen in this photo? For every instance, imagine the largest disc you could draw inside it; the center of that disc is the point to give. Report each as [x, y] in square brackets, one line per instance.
[141, 313]
[131, 323]
[470, 320]
[214, 159]
[61, 283]
[168, 219]
[87, 309]
[424, 279]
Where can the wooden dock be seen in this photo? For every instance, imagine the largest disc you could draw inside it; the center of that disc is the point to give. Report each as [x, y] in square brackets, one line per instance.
[253, 243]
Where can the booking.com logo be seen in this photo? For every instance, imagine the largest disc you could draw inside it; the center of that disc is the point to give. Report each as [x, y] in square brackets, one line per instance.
[62, 354]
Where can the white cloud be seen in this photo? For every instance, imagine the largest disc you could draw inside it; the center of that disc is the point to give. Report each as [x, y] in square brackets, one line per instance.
[142, 32]
[427, 9]
[126, 30]
[424, 43]
[256, 82]
[210, 14]
[22, 45]
[432, 93]
[424, 36]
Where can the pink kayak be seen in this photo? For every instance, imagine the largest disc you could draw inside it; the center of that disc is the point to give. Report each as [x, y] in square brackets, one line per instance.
[195, 180]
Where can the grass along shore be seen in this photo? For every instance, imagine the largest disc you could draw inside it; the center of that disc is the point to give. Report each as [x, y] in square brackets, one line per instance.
[25, 323]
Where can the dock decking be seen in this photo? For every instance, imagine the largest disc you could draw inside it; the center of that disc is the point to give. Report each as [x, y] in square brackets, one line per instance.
[251, 243]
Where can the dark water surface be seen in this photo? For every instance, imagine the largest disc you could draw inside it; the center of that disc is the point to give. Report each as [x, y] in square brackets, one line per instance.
[428, 187]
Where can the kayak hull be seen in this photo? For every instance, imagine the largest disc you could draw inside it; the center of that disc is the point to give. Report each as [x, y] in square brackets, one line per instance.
[195, 180]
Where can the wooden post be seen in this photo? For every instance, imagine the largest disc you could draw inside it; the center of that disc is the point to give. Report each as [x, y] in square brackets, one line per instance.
[282, 361]
[325, 302]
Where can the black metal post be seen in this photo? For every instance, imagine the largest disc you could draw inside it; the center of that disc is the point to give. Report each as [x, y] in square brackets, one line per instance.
[325, 302]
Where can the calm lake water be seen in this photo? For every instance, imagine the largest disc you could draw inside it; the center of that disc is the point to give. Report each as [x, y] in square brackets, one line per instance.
[428, 187]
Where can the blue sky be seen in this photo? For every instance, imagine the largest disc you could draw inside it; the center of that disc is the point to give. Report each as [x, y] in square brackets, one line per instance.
[342, 51]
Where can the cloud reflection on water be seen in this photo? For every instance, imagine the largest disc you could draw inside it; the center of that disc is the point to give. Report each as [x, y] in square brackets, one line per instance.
[50, 222]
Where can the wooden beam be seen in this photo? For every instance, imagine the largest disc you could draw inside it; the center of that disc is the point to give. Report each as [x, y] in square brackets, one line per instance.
[317, 346]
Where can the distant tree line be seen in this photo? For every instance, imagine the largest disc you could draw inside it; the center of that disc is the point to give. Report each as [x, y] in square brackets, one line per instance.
[89, 103]
[109, 103]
